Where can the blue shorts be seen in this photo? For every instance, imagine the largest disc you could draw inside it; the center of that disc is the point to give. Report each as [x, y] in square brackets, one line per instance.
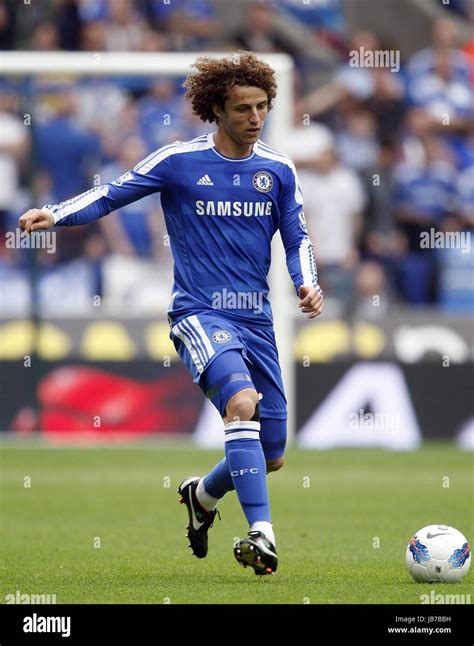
[201, 338]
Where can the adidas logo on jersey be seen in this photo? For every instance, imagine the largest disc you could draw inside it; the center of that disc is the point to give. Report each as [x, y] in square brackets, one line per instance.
[205, 181]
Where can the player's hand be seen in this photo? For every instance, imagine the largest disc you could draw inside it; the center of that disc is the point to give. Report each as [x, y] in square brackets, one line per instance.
[312, 301]
[36, 220]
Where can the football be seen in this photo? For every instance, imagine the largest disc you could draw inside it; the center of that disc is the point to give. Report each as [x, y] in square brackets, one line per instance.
[438, 553]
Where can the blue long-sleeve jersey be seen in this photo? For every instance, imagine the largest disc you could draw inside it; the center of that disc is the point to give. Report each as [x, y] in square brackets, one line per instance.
[221, 214]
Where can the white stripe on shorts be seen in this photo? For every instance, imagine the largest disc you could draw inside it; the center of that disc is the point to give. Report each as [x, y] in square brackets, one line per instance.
[189, 343]
[195, 340]
[196, 325]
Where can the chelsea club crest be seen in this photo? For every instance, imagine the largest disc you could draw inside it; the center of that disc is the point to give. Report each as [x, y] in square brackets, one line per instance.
[262, 181]
[221, 336]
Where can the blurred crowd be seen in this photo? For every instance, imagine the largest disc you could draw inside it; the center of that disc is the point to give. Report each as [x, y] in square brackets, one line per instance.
[385, 156]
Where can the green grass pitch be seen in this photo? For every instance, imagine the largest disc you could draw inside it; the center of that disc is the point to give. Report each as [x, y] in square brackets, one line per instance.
[103, 525]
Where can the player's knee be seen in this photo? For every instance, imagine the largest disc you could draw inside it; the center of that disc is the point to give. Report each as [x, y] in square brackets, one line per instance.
[275, 464]
[241, 406]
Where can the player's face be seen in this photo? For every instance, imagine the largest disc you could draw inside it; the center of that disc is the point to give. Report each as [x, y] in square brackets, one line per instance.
[244, 115]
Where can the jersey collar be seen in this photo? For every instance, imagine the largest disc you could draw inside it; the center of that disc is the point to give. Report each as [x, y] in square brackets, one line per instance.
[210, 141]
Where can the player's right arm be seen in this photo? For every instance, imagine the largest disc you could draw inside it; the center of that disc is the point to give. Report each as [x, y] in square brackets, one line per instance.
[36, 220]
[149, 176]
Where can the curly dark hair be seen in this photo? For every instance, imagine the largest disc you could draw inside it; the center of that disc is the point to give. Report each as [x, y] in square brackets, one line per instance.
[217, 76]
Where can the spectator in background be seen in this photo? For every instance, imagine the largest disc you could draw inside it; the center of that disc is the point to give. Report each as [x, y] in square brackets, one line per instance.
[119, 25]
[349, 87]
[260, 32]
[15, 291]
[463, 148]
[67, 152]
[357, 87]
[372, 297]
[67, 288]
[154, 41]
[465, 196]
[14, 146]
[160, 113]
[356, 141]
[191, 126]
[440, 88]
[125, 27]
[444, 44]
[323, 17]
[92, 11]
[127, 124]
[423, 198]
[68, 20]
[163, 117]
[387, 102]
[456, 262]
[68, 156]
[334, 202]
[133, 275]
[93, 36]
[8, 12]
[382, 241]
[444, 95]
[100, 101]
[135, 229]
[45, 37]
[189, 24]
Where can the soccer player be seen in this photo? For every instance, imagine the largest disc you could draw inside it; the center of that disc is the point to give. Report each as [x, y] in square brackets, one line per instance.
[224, 195]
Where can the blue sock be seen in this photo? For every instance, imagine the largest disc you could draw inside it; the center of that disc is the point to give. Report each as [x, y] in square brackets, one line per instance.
[218, 481]
[247, 466]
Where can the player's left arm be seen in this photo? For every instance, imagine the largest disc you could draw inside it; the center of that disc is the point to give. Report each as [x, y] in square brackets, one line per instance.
[312, 301]
[299, 249]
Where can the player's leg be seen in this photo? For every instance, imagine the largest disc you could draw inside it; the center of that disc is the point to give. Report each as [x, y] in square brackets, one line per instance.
[273, 438]
[258, 550]
[266, 377]
[213, 487]
[246, 460]
[199, 344]
[248, 468]
[199, 341]
[221, 380]
[227, 383]
[226, 375]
